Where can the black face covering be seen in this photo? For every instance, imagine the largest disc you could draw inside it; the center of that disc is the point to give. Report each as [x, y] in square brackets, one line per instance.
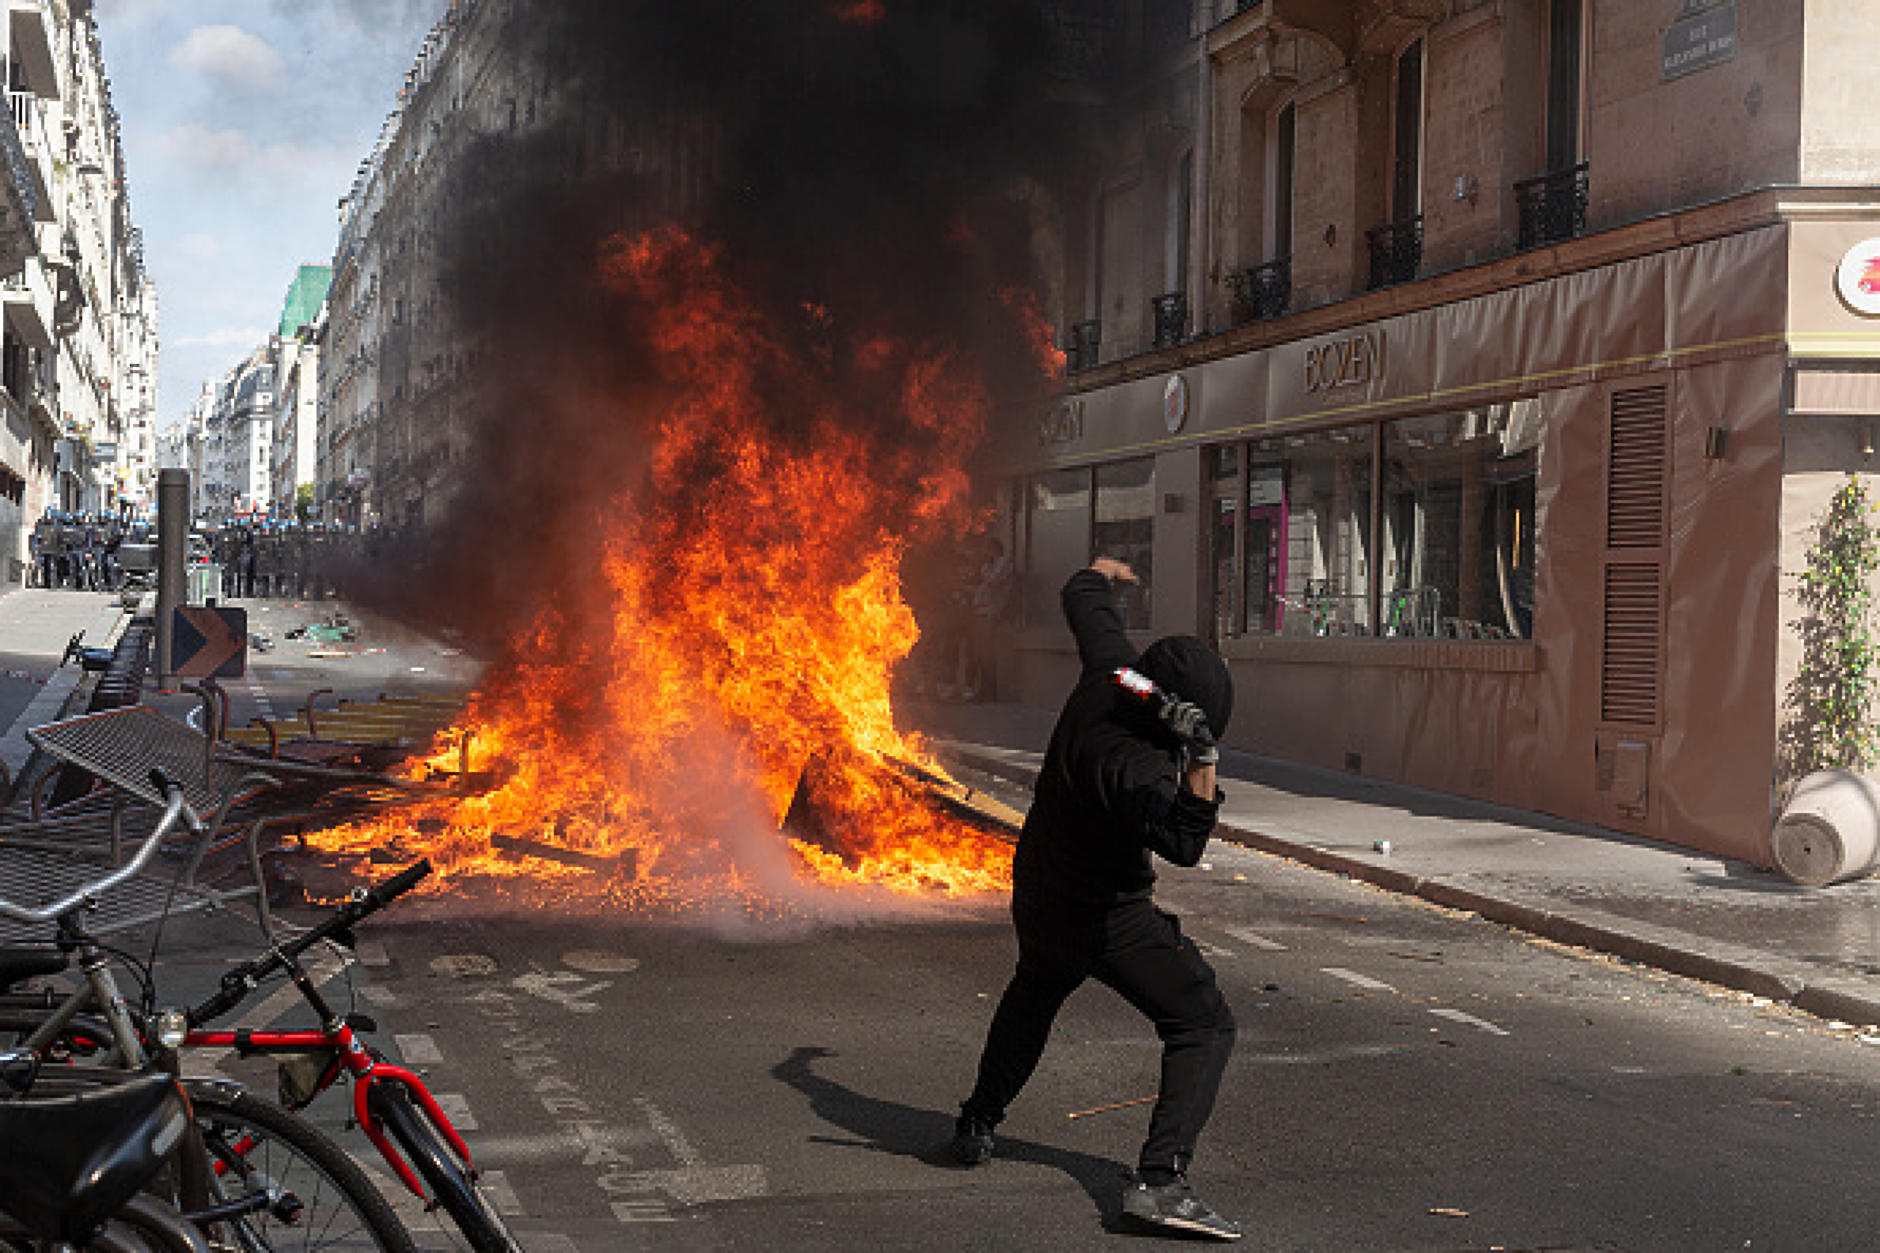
[1190, 670]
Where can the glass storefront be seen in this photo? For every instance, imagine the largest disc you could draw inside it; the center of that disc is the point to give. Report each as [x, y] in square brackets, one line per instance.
[1459, 523]
[1125, 530]
[1074, 516]
[1293, 519]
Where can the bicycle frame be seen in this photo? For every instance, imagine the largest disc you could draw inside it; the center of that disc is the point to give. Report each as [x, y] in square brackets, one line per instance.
[335, 1035]
[356, 1060]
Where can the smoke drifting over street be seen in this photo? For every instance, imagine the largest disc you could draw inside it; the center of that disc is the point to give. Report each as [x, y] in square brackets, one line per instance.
[857, 169]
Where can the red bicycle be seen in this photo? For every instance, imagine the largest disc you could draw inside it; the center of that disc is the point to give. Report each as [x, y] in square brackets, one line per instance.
[390, 1104]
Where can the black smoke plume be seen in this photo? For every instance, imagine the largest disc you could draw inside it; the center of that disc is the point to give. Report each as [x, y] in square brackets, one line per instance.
[862, 165]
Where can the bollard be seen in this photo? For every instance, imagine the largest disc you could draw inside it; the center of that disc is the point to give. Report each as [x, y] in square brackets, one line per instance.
[1830, 829]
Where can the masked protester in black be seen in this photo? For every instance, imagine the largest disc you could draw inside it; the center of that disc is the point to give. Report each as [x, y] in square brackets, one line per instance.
[1118, 786]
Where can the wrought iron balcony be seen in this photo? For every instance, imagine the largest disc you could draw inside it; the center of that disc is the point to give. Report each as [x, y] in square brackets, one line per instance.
[1262, 291]
[1396, 252]
[1084, 350]
[1552, 207]
[1171, 318]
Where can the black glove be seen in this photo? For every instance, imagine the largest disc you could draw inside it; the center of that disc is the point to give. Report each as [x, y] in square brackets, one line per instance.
[1190, 726]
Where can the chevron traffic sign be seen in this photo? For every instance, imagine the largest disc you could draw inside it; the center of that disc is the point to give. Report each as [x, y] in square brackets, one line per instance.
[208, 642]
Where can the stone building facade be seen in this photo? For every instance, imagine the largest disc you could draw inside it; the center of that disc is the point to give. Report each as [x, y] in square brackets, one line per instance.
[1473, 373]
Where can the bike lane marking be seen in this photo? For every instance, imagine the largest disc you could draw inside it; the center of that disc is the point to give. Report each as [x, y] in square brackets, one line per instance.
[631, 1195]
[510, 1012]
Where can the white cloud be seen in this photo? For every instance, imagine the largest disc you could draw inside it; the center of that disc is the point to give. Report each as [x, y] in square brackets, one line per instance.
[231, 55]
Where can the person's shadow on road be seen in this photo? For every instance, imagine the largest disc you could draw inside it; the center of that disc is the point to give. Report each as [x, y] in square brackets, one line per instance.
[926, 1135]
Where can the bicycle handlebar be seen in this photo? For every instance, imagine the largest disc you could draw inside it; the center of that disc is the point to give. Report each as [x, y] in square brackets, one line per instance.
[175, 807]
[360, 903]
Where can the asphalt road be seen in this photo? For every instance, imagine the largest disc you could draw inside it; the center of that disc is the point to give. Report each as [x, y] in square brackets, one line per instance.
[1406, 1079]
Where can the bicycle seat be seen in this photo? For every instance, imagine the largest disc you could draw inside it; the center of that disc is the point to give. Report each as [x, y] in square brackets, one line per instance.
[68, 1162]
[17, 964]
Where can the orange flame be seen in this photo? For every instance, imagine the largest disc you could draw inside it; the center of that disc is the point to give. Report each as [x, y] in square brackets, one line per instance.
[861, 12]
[753, 619]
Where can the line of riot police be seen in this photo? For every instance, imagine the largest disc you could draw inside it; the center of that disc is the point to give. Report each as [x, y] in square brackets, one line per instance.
[80, 550]
[282, 559]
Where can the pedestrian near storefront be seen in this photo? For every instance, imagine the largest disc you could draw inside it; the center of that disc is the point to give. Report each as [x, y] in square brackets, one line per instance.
[1124, 779]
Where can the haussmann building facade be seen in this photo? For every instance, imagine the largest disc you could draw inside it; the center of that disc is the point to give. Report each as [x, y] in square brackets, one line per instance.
[1475, 375]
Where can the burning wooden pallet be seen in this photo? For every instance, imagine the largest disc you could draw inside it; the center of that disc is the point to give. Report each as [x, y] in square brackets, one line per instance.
[902, 782]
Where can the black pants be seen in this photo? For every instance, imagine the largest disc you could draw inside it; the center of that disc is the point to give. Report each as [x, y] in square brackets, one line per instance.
[1140, 952]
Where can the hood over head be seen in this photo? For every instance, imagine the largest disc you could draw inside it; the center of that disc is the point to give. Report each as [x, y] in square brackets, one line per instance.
[1189, 669]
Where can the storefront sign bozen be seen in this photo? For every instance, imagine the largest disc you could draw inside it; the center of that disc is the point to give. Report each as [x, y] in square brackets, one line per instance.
[1345, 362]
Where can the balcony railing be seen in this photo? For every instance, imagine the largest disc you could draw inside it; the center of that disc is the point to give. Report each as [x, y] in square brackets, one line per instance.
[18, 164]
[1396, 252]
[1261, 292]
[1171, 318]
[1552, 207]
[1084, 350]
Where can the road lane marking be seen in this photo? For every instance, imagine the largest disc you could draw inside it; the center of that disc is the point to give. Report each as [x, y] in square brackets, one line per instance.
[418, 1050]
[1357, 980]
[456, 1107]
[259, 695]
[1210, 950]
[1480, 1024]
[1249, 936]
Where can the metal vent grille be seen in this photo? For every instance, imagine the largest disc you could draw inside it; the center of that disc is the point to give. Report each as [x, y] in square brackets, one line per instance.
[1635, 486]
[1628, 687]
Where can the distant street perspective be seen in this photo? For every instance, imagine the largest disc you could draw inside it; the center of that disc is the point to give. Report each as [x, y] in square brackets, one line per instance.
[862, 624]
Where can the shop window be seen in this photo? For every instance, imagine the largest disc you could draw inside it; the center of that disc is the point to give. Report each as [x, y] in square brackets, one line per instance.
[1293, 516]
[1057, 540]
[1459, 524]
[1125, 530]
[1313, 548]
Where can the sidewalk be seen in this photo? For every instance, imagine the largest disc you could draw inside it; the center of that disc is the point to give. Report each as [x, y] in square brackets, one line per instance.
[35, 625]
[1692, 914]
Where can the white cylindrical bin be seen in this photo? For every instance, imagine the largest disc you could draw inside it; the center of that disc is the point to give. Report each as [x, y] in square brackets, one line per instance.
[1830, 829]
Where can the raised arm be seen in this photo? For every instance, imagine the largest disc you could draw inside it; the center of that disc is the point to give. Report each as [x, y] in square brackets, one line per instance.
[1090, 608]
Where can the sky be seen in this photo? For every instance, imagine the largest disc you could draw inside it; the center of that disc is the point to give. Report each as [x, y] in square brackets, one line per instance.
[243, 125]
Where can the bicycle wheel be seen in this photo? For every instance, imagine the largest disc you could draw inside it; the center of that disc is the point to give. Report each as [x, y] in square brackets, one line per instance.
[452, 1185]
[256, 1146]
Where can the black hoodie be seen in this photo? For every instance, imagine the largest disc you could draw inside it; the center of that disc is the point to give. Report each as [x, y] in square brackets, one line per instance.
[1109, 792]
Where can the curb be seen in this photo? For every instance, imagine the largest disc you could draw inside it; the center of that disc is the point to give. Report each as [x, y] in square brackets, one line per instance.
[1741, 970]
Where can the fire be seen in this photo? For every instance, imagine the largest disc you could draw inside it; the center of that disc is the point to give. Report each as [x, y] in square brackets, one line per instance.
[744, 621]
[861, 12]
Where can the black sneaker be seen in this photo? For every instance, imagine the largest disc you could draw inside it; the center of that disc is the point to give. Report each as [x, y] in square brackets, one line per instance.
[972, 1141]
[1174, 1206]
